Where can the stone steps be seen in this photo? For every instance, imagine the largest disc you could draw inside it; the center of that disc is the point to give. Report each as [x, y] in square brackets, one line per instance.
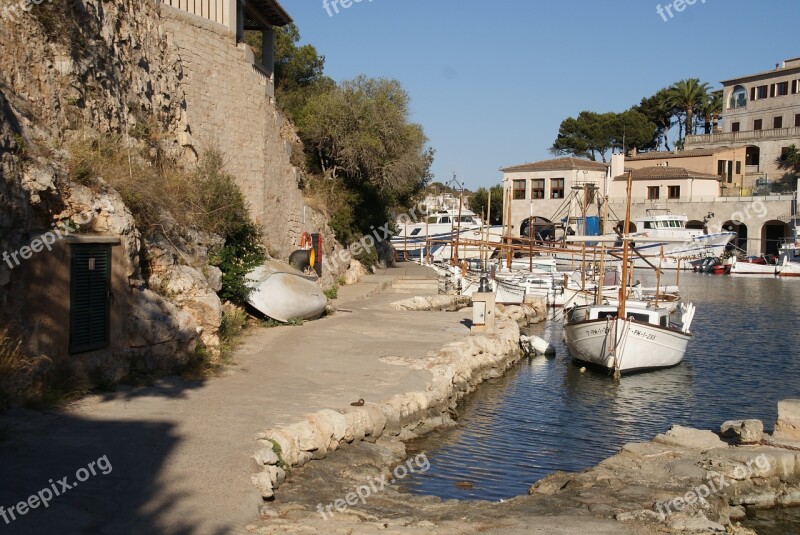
[417, 285]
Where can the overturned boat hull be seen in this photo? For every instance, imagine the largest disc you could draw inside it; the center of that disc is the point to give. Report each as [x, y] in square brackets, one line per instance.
[284, 293]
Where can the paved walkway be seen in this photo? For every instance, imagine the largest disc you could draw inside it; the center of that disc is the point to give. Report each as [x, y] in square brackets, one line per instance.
[179, 450]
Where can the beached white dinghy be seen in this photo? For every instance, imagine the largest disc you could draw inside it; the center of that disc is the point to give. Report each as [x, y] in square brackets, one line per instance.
[284, 293]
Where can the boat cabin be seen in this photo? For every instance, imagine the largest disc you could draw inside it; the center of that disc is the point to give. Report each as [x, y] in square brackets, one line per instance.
[449, 217]
[660, 219]
[789, 252]
[653, 316]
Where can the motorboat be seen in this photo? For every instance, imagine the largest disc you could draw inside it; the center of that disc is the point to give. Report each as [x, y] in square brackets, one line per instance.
[663, 237]
[440, 231]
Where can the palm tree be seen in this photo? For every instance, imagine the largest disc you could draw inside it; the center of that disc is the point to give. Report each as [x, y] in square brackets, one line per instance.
[688, 95]
[711, 109]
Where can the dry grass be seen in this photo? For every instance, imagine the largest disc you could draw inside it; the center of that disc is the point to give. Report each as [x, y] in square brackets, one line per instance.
[158, 192]
[13, 363]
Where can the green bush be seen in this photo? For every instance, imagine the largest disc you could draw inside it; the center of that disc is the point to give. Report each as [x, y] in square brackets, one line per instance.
[242, 252]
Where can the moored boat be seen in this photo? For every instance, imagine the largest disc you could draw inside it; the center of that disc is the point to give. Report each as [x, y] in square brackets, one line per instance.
[622, 338]
[644, 339]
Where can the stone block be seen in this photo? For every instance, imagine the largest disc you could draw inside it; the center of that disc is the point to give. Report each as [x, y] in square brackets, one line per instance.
[745, 431]
[788, 424]
[688, 438]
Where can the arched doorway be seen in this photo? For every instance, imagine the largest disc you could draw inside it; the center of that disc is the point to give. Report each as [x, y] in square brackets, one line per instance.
[741, 233]
[752, 158]
[544, 229]
[772, 234]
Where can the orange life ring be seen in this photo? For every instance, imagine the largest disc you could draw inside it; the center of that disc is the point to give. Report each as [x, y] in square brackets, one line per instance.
[306, 241]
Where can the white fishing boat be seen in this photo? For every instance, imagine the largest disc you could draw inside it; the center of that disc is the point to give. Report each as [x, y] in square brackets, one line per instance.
[753, 268]
[439, 231]
[788, 264]
[283, 293]
[659, 228]
[644, 339]
[622, 338]
[506, 293]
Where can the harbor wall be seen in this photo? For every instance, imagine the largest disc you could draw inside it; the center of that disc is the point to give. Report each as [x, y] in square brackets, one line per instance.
[456, 370]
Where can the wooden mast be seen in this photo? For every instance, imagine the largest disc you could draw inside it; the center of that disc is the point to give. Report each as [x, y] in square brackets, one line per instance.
[599, 298]
[623, 290]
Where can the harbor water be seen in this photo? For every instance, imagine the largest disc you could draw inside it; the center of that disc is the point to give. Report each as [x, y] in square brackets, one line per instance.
[546, 415]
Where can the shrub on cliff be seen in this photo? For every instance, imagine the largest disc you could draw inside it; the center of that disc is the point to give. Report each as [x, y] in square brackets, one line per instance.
[164, 198]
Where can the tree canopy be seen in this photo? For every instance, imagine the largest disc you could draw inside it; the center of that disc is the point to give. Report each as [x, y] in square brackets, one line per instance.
[479, 203]
[364, 154]
[687, 104]
[592, 135]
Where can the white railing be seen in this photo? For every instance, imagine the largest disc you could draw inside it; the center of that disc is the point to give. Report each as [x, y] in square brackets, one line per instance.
[218, 11]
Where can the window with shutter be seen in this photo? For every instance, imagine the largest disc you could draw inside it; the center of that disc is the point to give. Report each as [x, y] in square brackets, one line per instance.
[89, 309]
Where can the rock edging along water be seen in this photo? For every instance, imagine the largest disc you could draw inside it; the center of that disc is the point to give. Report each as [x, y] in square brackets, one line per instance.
[456, 370]
[691, 481]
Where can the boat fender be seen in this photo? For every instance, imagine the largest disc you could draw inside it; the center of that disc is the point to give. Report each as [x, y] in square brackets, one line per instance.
[536, 345]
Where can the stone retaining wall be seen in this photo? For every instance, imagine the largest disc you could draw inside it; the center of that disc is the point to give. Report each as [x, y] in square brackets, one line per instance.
[456, 371]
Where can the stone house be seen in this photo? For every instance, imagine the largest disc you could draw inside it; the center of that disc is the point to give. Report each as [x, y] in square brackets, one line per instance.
[761, 113]
[542, 189]
[725, 162]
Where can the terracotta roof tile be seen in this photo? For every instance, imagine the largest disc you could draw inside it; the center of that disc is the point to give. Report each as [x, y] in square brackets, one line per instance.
[664, 155]
[558, 164]
[661, 172]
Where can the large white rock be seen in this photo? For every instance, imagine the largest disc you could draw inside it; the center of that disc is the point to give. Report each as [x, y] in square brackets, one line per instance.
[263, 482]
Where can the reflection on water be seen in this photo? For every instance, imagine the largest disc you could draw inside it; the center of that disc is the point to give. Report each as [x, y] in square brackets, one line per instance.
[547, 416]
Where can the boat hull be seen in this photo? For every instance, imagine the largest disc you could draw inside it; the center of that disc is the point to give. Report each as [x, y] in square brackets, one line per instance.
[747, 268]
[627, 345]
[284, 294]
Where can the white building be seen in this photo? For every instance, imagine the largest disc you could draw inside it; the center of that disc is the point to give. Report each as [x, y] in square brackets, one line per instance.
[543, 188]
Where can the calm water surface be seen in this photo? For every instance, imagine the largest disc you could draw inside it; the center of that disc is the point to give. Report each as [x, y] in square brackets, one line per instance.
[547, 416]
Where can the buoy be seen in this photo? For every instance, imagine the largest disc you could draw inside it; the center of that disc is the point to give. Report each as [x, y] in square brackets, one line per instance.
[534, 345]
[306, 241]
[583, 369]
[464, 484]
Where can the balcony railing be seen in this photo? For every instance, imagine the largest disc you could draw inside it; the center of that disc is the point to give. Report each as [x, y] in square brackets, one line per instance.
[747, 196]
[749, 135]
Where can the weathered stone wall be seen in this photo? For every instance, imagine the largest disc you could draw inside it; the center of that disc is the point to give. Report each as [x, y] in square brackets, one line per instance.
[102, 66]
[228, 108]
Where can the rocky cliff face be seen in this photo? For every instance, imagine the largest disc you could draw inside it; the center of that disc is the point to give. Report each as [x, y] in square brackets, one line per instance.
[71, 66]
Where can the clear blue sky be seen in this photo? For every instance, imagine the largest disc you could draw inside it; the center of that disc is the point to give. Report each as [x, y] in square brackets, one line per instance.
[491, 80]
